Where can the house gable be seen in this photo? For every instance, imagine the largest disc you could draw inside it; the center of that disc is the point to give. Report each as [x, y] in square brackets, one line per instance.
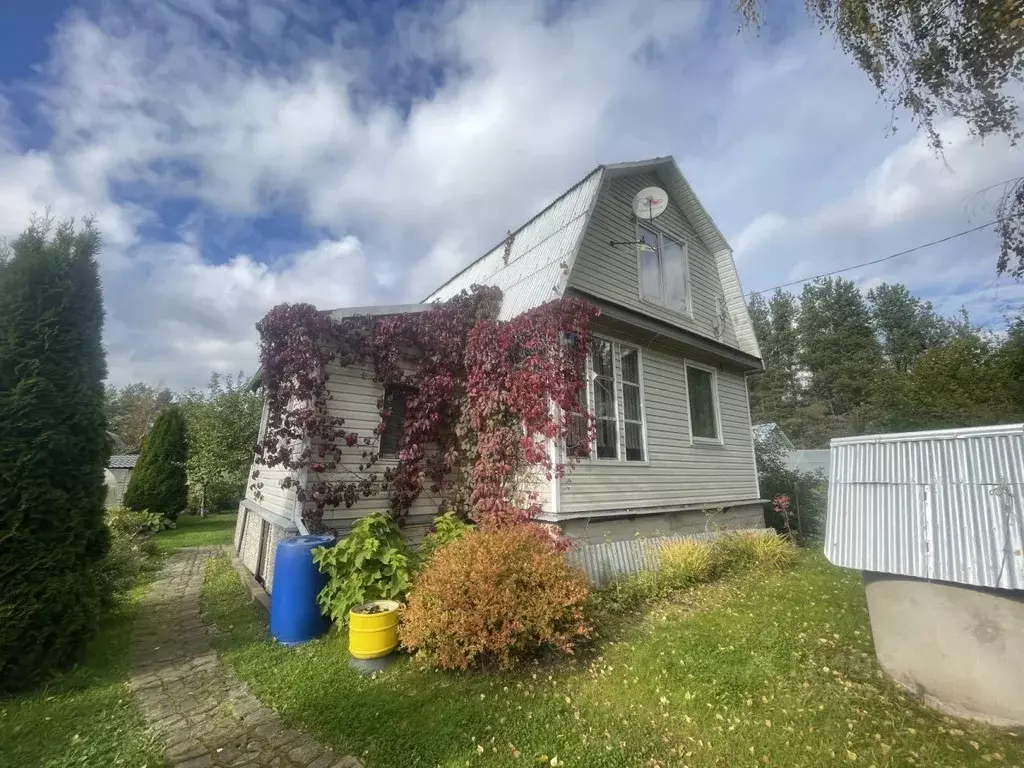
[565, 246]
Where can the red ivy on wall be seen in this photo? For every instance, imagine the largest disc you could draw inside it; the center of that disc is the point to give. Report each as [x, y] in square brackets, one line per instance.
[485, 397]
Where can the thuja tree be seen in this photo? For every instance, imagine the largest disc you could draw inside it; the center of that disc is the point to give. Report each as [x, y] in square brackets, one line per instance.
[485, 396]
[158, 482]
[53, 450]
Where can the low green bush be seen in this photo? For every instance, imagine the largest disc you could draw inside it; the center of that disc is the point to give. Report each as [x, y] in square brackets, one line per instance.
[685, 563]
[732, 552]
[372, 563]
[131, 549]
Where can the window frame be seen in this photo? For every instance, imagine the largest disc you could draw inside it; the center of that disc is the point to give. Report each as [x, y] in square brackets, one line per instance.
[662, 301]
[620, 403]
[381, 455]
[715, 401]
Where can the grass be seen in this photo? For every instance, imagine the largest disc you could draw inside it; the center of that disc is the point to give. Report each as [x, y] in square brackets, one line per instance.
[755, 670]
[195, 531]
[87, 716]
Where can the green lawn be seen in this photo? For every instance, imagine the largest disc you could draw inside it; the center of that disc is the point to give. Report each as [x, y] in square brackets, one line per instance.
[754, 671]
[86, 717]
[195, 531]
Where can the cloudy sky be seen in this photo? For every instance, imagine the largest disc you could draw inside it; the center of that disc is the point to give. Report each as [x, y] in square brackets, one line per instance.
[239, 154]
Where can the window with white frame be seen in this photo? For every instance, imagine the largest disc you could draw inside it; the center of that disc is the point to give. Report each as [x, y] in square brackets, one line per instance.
[702, 400]
[663, 270]
[615, 394]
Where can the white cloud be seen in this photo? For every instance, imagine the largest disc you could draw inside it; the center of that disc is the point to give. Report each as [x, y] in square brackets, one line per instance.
[400, 160]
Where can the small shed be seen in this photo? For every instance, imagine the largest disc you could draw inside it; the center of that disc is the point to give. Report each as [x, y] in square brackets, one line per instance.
[118, 473]
[935, 522]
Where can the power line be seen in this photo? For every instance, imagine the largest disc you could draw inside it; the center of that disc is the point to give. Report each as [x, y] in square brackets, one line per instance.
[890, 256]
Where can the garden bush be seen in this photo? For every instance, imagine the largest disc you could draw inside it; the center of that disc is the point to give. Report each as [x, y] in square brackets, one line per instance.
[131, 549]
[774, 552]
[499, 595]
[684, 563]
[732, 552]
[446, 529]
[158, 480]
[371, 563]
[53, 448]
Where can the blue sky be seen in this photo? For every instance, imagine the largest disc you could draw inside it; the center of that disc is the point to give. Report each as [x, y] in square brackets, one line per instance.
[238, 154]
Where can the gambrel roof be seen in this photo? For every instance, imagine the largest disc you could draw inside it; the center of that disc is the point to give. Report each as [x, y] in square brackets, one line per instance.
[532, 266]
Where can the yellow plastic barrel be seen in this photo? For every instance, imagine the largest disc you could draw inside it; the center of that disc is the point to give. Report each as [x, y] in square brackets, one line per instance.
[372, 635]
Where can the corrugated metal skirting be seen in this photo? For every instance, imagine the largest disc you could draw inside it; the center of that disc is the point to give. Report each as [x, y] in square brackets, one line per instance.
[945, 505]
[608, 561]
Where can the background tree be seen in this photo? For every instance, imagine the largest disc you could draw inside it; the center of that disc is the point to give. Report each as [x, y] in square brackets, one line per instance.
[132, 411]
[775, 394]
[838, 349]
[962, 58]
[222, 429]
[53, 449]
[158, 480]
[906, 325]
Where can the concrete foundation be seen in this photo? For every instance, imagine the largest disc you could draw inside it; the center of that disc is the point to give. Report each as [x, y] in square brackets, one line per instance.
[599, 530]
[960, 648]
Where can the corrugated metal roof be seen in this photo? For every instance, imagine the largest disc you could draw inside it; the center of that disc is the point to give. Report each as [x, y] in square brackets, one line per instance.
[122, 461]
[945, 505]
[763, 432]
[538, 263]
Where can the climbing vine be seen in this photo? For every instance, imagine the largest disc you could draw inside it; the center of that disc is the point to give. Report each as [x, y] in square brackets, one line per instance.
[484, 398]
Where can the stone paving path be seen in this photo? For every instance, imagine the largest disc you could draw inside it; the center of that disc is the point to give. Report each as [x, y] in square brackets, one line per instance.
[204, 714]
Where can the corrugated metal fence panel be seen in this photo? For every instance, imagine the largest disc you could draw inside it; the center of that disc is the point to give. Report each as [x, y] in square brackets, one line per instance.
[945, 505]
[609, 561]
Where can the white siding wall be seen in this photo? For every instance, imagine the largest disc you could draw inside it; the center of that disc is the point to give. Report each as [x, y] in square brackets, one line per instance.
[275, 499]
[677, 473]
[355, 395]
[610, 272]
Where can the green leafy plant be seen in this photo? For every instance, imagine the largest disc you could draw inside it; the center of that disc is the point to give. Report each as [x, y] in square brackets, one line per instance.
[746, 550]
[125, 522]
[684, 563]
[495, 595]
[446, 529]
[371, 563]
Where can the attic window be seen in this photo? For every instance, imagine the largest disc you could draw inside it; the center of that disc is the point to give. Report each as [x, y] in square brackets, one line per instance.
[394, 424]
[664, 271]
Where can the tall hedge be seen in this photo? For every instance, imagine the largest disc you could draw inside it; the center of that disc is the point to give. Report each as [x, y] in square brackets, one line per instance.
[53, 450]
[158, 480]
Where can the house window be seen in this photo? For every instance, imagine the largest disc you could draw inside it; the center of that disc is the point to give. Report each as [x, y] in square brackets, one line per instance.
[702, 391]
[394, 424]
[632, 405]
[602, 364]
[616, 396]
[663, 271]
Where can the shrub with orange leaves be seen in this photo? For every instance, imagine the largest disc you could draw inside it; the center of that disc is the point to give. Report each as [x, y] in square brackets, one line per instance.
[496, 595]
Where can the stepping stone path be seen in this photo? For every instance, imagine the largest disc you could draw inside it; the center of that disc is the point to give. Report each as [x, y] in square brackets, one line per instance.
[205, 716]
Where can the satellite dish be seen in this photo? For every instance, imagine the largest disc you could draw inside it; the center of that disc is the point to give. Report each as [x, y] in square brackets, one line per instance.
[650, 203]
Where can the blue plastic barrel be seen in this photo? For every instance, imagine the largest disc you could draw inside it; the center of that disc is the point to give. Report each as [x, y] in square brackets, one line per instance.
[294, 614]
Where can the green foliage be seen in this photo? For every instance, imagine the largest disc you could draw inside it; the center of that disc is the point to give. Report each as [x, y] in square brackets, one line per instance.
[736, 552]
[371, 563]
[807, 491]
[123, 521]
[53, 450]
[223, 424]
[132, 410]
[775, 393]
[158, 481]
[844, 357]
[446, 529]
[936, 59]
[685, 563]
[906, 325]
